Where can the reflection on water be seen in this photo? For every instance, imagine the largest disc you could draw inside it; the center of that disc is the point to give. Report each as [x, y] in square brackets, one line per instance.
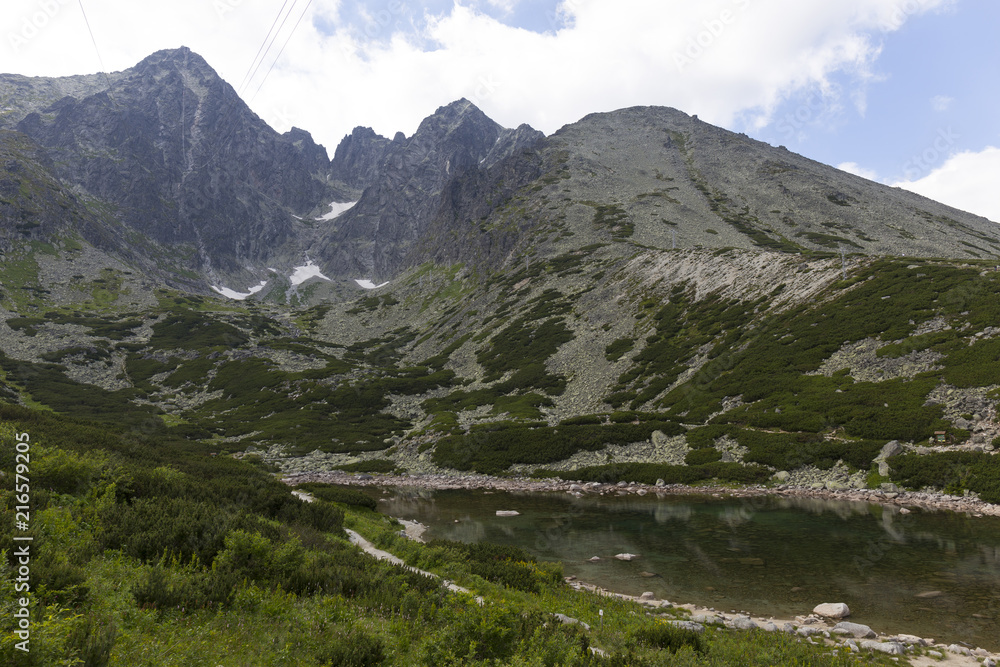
[934, 574]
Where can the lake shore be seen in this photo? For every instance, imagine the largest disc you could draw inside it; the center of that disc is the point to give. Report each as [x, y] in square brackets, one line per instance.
[903, 501]
[809, 627]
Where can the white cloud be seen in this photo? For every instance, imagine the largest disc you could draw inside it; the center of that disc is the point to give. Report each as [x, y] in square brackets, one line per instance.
[858, 170]
[941, 103]
[721, 59]
[966, 181]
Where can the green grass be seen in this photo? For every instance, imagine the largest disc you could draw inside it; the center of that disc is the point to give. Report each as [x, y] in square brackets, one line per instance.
[147, 552]
[492, 448]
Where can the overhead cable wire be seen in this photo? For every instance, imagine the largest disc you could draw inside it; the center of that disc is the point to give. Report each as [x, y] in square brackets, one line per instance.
[247, 77]
[278, 57]
[271, 45]
[100, 60]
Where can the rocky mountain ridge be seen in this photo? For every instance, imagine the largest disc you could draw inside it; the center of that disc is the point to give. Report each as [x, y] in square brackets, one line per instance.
[638, 289]
[172, 154]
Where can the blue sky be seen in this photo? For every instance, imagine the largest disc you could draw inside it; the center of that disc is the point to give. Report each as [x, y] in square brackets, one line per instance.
[901, 91]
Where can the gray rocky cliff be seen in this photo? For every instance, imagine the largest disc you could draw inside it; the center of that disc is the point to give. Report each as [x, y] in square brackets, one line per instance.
[185, 161]
[371, 239]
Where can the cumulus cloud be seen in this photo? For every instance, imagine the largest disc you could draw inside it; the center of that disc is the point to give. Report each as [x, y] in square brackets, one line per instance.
[721, 59]
[966, 181]
[941, 103]
[858, 170]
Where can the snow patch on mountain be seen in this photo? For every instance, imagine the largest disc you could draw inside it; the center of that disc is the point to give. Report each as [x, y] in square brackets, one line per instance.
[304, 273]
[239, 296]
[336, 208]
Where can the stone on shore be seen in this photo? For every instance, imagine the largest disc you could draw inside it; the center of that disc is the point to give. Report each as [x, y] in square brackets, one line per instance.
[743, 623]
[856, 630]
[648, 595]
[892, 648]
[707, 619]
[912, 639]
[832, 610]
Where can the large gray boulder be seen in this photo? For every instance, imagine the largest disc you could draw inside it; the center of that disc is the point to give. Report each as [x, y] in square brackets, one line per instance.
[892, 648]
[832, 610]
[854, 629]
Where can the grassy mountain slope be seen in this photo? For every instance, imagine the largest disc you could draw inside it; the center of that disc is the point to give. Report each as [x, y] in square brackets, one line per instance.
[148, 551]
[778, 362]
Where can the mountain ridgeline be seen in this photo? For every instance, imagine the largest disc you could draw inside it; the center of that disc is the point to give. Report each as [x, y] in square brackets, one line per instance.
[640, 295]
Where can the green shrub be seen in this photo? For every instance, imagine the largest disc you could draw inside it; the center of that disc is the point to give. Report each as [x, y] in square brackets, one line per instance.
[492, 448]
[615, 350]
[339, 494]
[351, 648]
[701, 456]
[953, 472]
[668, 637]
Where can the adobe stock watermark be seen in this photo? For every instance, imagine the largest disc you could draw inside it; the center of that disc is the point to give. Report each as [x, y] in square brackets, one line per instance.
[225, 7]
[32, 25]
[922, 163]
[22, 547]
[711, 30]
[486, 87]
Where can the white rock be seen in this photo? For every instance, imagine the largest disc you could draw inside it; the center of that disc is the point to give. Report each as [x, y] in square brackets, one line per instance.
[569, 620]
[508, 513]
[854, 629]
[688, 625]
[706, 619]
[912, 639]
[832, 610]
[958, 650]
[648, 595]
[744, 623]
[892, 648]
[626, 556]
[594, 559]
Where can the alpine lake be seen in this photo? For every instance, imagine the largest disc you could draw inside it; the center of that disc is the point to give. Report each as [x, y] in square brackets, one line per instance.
[932, 574]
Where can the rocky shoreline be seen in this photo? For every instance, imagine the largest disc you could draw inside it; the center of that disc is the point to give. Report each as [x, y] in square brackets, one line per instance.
[891, 496]
[825, 625]
[814, 628]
